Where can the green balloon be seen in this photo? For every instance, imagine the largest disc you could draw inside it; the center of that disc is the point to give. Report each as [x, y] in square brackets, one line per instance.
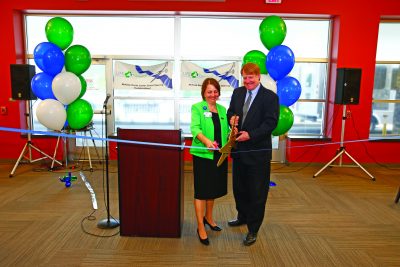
[79, 114]
[77, 59]
[60, 32]
[83, 86]
[272, 31]
[258, 58]
[285, 121]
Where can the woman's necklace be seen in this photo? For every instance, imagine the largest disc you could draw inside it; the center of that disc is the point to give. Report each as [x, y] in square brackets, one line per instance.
[212, 108]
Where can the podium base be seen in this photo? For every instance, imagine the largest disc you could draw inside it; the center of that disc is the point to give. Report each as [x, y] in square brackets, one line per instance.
[108, 223]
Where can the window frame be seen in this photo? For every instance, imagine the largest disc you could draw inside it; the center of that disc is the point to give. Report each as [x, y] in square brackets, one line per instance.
[177, 59]
[385, 131]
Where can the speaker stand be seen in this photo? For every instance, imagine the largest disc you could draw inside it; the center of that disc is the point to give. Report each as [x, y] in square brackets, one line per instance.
[396, 200]
[29, 146]
[342, 150]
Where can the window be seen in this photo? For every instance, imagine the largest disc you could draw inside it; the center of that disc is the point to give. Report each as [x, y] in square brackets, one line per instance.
[309, 110]
[205, 41]
[385, 117]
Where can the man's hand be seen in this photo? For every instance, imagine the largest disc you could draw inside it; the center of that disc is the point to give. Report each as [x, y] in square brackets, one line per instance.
[234, 121]
[234, 131]
[243, 136]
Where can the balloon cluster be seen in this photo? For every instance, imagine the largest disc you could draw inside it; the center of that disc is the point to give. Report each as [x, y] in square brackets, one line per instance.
[61, 84]
[275, 66]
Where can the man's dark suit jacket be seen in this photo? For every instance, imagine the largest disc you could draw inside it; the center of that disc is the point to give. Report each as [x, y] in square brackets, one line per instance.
[261, 120]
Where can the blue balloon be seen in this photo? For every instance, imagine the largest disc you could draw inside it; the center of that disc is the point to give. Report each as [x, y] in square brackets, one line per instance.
[288, 90]
[38, 53]
[280, 61]
[49, 58]
[41, 86]
[66, 124]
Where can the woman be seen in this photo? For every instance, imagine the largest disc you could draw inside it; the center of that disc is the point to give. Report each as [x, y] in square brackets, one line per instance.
[209, 127]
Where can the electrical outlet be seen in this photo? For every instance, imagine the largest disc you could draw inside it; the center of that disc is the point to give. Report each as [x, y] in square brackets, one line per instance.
[3, 110]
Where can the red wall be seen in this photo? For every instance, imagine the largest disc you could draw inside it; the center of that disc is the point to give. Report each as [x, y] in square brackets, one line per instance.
[354, 41]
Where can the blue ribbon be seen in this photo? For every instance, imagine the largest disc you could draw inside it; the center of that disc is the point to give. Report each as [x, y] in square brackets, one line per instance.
[60, 134]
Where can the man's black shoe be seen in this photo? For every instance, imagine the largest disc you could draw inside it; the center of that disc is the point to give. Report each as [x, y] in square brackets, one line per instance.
[250, 239]
[236, 222]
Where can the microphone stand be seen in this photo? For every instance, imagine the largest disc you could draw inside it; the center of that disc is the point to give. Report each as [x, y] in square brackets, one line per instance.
[109, 222]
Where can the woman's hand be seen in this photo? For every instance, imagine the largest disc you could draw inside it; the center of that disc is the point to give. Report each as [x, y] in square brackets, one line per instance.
[216, 145]
[211, 145]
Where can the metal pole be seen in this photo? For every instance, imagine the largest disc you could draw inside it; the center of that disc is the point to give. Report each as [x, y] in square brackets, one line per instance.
[342, 133]
[109, 222]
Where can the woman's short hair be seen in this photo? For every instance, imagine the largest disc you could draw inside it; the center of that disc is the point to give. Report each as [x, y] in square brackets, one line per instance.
[250, 69]
[211, 81]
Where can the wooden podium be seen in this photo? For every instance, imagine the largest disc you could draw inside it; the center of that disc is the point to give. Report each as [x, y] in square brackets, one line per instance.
[150, 182]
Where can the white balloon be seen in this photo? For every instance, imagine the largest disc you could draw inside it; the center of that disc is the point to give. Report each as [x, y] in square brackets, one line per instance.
[52, 114]
[268, 82]
[66, 87]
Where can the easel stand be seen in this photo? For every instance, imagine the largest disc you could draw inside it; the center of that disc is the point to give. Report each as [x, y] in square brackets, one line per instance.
[85, 145]
[29, 146]
[342, 150]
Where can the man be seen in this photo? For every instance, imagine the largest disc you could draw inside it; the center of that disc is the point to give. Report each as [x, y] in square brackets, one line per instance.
[258, 113]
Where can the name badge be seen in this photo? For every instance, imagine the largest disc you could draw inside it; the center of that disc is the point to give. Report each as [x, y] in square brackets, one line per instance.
[207, 114]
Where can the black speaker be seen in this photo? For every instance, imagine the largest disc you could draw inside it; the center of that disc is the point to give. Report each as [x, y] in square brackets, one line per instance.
[348, 86]
[21, 76]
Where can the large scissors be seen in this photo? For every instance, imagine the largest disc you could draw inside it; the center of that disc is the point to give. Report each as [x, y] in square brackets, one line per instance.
[226, 149]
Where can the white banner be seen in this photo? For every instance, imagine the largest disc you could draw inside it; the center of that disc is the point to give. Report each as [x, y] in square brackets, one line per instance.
[193, 75]
[156, 77]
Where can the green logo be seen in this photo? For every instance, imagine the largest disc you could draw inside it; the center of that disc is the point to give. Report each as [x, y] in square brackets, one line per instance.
[128, 74]
[194, 74]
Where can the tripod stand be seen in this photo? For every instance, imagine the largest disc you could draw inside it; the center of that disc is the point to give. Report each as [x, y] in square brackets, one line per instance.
[29, 145]
[342, 150]
[109, 222]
